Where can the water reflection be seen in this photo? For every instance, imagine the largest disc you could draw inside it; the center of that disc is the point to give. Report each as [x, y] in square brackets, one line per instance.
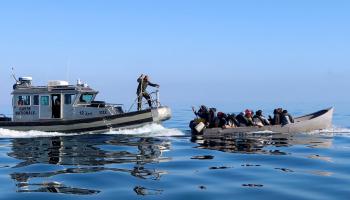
[54, 187]
[260, 142]
[85, 154]
[139, 190]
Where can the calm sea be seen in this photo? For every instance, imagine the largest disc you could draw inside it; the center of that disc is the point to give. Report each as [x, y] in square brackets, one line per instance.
[165, 162]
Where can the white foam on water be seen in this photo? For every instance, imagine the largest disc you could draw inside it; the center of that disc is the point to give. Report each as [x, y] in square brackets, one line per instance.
[150, 130]
[5, 133]
[266, 131]
[334, 131]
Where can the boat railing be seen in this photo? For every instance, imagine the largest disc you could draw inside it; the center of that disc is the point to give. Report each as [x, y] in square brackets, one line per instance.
[154, 99]
[114, 108]
[114, 104]
[154, 95]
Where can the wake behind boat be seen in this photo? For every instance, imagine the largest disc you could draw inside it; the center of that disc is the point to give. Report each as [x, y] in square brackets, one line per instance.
[315, 121]
[60, 107]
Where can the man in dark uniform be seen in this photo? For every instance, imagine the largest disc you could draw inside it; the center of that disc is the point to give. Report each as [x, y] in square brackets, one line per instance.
[141, 90]
[56, 108]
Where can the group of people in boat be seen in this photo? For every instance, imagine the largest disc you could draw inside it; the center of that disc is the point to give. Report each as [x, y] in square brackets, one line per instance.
[213, 119]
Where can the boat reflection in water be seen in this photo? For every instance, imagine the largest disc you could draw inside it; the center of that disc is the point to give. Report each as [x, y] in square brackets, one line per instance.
[82, 155]
[260, 142]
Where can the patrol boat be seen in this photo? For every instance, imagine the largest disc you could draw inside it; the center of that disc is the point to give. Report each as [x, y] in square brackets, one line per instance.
[61, 107]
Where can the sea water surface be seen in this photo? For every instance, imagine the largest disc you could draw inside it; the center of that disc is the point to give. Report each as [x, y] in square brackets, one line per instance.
[165, 162]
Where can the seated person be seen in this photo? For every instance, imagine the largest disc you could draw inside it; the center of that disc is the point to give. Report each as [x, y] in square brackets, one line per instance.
[259, 119]
[276, 120]
[286, 118]
[241, 119]
[245, 118]
[212, 117]
[249, 116]
[202, 113]
[220, 121]
[232, 121]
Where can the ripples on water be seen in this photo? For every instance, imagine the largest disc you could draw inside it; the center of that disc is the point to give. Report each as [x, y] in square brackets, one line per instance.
[145, 164]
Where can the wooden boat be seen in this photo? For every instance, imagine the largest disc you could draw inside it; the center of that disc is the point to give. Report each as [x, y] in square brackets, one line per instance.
[315, 121]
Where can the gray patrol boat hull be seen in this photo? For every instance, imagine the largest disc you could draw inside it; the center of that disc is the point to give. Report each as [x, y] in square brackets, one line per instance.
[94, 125]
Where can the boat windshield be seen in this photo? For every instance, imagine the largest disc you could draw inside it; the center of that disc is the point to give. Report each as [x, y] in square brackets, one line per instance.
[86, 98]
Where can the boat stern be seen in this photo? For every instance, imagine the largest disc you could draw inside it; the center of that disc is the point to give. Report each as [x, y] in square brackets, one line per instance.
[162, 113]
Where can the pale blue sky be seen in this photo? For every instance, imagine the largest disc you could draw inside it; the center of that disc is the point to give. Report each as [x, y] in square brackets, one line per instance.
[214, 52]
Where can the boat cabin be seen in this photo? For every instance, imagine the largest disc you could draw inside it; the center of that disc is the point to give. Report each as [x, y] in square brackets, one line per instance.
[57, 101]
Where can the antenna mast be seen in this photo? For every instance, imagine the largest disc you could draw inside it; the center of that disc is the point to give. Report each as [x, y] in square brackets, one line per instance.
[13, 74]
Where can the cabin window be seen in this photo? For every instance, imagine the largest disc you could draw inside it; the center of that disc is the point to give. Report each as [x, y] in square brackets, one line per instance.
[36, 100]
[23, 100]
[69, 98]
[86, 98]
[44, 100]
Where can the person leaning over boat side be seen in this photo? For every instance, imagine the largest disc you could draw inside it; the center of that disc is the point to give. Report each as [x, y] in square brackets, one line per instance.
[259, 118]
[286, 118]
[143, 81]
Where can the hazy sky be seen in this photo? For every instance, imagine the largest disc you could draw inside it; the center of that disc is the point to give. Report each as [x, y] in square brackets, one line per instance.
[215, 52]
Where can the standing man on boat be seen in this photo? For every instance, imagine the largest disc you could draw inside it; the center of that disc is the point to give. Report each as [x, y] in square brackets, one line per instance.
[143, 81]
[56, 108]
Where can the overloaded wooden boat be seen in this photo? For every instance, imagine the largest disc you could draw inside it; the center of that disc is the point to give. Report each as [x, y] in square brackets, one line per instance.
[60, 107]
[315, 121]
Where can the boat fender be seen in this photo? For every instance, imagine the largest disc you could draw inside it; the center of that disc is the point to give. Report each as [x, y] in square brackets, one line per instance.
[199, 128]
